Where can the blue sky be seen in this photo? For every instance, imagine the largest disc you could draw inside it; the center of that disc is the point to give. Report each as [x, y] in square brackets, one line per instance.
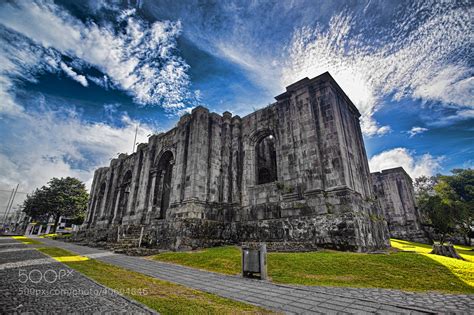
[78, 77]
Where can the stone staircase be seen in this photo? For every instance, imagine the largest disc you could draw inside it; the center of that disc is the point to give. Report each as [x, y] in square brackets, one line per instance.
[129, 242]
[128, 237]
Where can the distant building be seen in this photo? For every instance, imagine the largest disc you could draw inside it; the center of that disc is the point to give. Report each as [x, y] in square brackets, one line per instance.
[14, 222]
[394, 190]
[294, 174]
[65, 225]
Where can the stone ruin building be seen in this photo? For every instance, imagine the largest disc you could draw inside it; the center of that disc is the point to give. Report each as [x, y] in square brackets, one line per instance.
[293, 174]
[394, 190]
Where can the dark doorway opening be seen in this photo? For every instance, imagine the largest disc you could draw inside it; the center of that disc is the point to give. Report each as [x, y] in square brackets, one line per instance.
[266, 160]
[124, 194]
[162, 192]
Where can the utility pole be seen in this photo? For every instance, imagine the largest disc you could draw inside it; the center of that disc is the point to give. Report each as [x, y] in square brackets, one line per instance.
[8, 204]
[11, 204]
[135, 140]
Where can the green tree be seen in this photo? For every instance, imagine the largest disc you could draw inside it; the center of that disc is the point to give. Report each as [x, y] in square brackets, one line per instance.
[424, 190]
[36, 204]
[447, 202]
[439, 215]
[61, 197]
[458, 191]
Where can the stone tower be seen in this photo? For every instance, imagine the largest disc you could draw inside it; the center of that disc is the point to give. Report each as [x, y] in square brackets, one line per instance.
[294, 174]
[394, 190]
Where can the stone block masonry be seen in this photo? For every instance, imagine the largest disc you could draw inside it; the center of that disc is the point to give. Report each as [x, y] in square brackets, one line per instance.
[294, 174]
[394, 190]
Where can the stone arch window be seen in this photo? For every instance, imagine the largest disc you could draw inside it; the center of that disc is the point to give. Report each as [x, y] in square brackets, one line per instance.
[266, 165]
[124, 193]
[162, 183]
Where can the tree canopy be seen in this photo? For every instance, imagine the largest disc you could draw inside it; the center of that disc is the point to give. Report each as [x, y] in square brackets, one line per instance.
[447, 202]
[60, 197]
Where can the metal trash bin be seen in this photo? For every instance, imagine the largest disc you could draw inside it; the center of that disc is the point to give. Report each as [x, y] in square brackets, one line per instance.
[254, 261]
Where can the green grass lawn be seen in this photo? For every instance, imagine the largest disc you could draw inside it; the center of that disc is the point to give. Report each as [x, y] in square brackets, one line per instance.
[162, 296]
[411, 269]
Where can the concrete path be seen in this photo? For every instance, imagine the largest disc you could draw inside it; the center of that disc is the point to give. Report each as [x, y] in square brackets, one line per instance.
[34, 283]
[286, 298]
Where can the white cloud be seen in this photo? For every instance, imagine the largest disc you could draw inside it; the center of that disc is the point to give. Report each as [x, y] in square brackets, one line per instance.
[407, 62]
[18, 60]
[77, 77]
[418, 50]
[414, 165]
[57, 143]
[141, 60]
[7, 103]
[416, 130]
[42, 142]
[449, 85]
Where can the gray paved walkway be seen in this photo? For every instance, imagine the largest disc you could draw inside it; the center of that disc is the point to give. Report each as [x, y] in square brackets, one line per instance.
[289, 299]
[34, 283]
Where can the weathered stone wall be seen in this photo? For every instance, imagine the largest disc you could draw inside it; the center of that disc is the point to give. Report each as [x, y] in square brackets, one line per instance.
[395, 192]
[198, 184]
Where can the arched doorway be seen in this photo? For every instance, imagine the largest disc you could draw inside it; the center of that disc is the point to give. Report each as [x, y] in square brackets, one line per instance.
[162, 189]
[266, 160]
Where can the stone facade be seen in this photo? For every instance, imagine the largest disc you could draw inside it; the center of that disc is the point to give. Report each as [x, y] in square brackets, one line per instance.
[394, 190]
[294, 174]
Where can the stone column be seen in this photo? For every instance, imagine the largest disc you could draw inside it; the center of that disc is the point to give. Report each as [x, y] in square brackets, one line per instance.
[236, 176]
[198, 155]
[117, 205]
[152, 190]
[159, 181]
[225, 158]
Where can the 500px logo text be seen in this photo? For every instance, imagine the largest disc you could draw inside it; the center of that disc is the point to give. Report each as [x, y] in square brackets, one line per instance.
[48, 275]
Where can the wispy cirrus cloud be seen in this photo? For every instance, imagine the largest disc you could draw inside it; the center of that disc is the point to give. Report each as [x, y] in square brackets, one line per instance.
[43, 141]
[378, 51]
[140, 59]
[423, 57]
